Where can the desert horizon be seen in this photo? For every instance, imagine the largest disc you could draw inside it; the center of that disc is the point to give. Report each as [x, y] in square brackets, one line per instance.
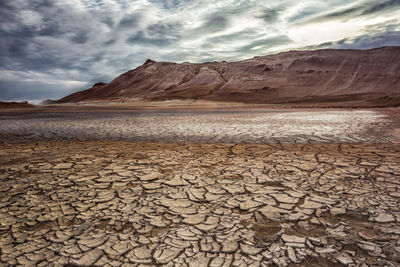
[361, 78]
[200, 133]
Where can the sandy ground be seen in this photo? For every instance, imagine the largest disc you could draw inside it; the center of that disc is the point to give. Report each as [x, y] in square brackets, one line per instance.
[209, 188]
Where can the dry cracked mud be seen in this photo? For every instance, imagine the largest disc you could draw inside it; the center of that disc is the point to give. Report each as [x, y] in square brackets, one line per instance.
[226, 126]
[118, 203]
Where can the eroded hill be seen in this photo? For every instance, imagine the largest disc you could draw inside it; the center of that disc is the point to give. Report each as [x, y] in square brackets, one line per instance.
[296, 76]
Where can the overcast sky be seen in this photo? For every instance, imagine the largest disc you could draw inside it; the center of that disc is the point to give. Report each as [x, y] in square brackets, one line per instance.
[50, 48]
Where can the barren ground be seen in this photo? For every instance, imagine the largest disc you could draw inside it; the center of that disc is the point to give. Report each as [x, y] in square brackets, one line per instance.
[203, 126]
[204, 188]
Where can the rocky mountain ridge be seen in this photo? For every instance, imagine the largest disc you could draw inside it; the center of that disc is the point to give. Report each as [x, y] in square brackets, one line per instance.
[288, 77]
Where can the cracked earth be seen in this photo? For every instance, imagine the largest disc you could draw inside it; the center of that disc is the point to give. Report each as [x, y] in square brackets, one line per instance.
[311, 199]
[265, 126]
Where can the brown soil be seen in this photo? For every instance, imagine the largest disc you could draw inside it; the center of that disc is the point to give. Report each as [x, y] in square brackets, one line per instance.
[33, 184]
[316, 262]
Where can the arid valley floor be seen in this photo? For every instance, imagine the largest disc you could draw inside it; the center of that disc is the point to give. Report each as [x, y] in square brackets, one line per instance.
[231, 187]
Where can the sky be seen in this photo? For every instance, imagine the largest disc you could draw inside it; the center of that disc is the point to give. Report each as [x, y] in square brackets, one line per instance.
[51, 48]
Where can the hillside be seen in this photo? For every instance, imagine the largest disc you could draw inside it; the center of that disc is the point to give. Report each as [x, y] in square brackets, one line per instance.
[297, 76]
[23, 104]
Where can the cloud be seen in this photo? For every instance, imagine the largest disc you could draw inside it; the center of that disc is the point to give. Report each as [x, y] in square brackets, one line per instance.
[22, 90]
[53, 47]
[21, 85]
[129, 21]
[386, 5]
[80, 37]
[359, 9]
[142, 38]
[391, 38]
[232, 37]
[269, 15]
[158, 34]
[343, 13]
[267, 42]
[214, 23]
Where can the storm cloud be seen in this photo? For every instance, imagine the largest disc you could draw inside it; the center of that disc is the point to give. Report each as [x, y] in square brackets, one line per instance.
[50, 48]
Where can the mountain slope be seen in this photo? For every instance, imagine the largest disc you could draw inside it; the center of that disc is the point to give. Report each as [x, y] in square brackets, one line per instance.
[321, 75]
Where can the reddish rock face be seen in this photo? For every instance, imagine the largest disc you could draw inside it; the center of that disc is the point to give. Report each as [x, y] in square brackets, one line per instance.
[321, 75]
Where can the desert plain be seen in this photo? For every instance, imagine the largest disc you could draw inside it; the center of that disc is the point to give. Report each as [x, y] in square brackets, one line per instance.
[203, 186]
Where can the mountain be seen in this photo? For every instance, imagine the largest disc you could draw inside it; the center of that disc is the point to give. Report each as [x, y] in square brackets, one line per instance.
[22, 104]
[329, 75]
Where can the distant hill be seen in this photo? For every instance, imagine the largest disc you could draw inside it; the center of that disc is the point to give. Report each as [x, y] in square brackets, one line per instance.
[23, 104]
[329, 75]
